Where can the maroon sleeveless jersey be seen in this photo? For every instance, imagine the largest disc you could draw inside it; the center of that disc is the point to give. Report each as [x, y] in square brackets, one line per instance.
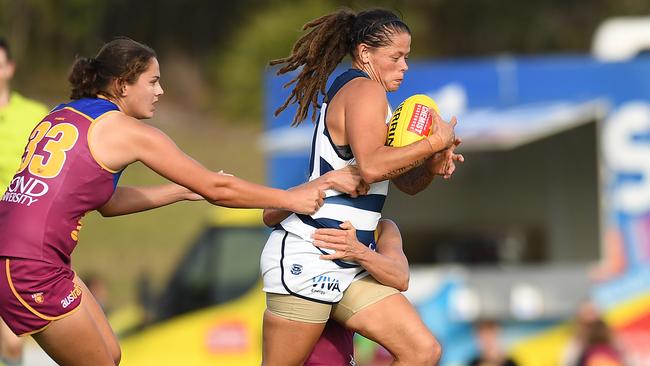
[57, 182]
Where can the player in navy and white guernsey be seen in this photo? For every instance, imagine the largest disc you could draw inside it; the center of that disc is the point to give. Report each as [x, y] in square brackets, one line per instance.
[304, 286]
[363, 212]
[70, 166]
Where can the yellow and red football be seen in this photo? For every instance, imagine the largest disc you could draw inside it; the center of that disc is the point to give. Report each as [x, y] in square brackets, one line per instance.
[411, 121]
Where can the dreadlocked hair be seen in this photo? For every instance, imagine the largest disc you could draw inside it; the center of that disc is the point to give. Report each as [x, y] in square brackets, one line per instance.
[330, 38]
[318, 52]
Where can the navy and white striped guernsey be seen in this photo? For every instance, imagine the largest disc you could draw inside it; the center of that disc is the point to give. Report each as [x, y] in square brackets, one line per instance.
[363, 212]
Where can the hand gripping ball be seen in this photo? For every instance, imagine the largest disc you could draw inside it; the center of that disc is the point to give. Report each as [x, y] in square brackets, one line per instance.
[411, 121]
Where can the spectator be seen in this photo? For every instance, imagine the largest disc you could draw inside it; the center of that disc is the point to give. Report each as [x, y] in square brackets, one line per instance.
[488, 336]
[586, 314]
[600, 348]
[18, 116]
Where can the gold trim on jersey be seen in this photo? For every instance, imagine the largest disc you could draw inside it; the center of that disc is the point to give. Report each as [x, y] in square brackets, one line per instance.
[90, 147]
[92, 123]
[28, 307]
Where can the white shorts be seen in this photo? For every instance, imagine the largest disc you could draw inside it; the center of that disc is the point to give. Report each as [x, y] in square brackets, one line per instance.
[291, 265]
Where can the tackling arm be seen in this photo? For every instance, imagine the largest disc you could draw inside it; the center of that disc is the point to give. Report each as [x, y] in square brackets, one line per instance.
[388, 265]
[127, 200]
[346, 180]
[125, 140]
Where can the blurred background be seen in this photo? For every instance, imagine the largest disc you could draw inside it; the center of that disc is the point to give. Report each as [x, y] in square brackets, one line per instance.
[544, 230]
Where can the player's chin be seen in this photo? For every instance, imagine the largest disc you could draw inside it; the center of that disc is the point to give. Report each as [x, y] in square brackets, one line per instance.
[151, 111]
[394, 85]
[147, 114]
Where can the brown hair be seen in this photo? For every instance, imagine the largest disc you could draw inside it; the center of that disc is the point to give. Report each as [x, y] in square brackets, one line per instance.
[598, 333]
[329, 39]
[121, 59]
[4, 45]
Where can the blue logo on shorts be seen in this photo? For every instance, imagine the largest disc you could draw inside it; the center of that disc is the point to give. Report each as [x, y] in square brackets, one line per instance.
[325, 283]
[296, 269]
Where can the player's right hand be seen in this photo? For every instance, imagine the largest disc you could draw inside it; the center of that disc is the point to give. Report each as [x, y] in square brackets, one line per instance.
[305, 200]
[442, 133]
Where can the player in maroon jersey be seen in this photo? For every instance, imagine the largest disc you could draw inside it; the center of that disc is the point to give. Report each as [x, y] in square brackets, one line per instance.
[70, 166]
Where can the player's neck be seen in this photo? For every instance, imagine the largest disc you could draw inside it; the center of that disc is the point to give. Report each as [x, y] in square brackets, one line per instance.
[370, 71]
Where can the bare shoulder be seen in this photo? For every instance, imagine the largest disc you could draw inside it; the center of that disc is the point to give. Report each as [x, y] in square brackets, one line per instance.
[118, 119]
[118, 140]
[365, 99]
[390, 239]
[366, 89]
[126, 126]
[387, 224]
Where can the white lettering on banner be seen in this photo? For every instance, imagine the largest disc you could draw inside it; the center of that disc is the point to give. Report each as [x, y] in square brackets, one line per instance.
[625, 155]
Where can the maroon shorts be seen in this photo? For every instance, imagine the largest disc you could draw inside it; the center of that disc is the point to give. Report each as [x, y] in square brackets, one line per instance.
[34, 293]
[334, 347]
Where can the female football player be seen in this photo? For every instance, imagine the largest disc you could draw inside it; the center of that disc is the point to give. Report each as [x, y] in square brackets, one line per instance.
[71, 165]
[301, 285]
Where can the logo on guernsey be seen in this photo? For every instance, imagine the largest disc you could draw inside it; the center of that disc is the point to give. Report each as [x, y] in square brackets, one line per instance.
[393, 125]
[296, 269]
[38, 297]
[420, 120]
[72, 296]
[325, 283]
[75, 233]
[25, 191]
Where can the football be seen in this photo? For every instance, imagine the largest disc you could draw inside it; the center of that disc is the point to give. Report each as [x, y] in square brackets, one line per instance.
[411, 121]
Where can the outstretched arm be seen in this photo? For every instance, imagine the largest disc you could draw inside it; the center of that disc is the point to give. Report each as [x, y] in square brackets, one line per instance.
[388, 265]
[125, 140]
[127, 200]
[346, 180]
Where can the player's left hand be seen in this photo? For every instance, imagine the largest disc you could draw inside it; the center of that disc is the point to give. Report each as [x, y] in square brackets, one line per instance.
[344, 242]
[444, 162]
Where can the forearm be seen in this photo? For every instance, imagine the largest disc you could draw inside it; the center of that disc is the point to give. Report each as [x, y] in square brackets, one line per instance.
[159, 153]
[415, 180]
[272, 217]
[389, 162]
[385, 269]
[230, 191]
[388, 265]
[127, 200]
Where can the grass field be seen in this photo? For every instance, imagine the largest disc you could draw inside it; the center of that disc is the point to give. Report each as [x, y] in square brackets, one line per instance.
[119, 249]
